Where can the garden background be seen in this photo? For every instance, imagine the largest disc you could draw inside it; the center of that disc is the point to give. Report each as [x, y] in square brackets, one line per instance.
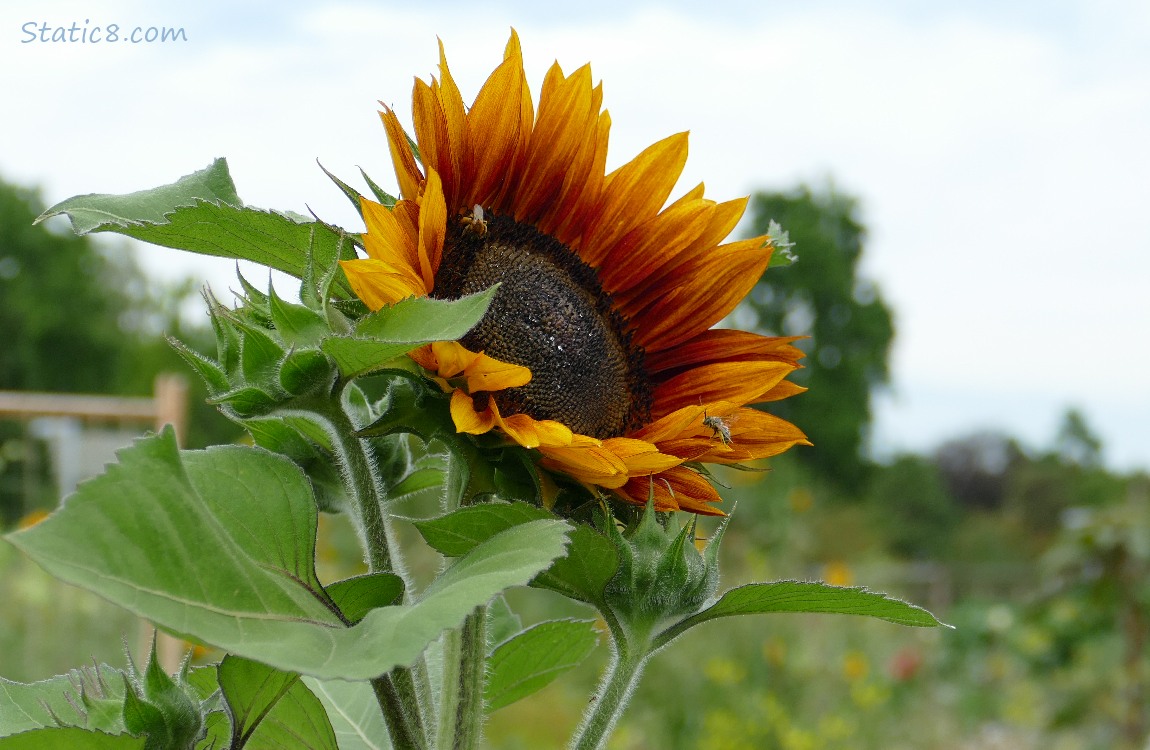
[962, 191]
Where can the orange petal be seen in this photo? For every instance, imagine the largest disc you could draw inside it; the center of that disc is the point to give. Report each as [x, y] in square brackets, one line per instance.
[634, 193]
[640, 457]
[646, 248]
[674, 424]
[573, 222]
[450, 358]
[737, 382]
[503, 199]
[493, 124]
[406, 168]
[455, 116]
[486, 373]
[722, 221]
[707, 291]
[560, 129]
[581, 177]
[679, 488]
[535, 433]
[431, 132]
[755, 434]
[724, 345]
[783, 389]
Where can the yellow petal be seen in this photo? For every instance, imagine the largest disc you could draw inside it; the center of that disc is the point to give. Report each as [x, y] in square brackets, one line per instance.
[486, 373]
[432, 228]
[387, 237]
[467, 419]
[379, 283]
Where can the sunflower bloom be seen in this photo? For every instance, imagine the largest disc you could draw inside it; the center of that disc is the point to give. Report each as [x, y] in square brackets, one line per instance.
[597, 350]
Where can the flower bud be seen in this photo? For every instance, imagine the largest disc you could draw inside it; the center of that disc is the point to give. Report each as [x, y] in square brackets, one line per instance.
[661, 574]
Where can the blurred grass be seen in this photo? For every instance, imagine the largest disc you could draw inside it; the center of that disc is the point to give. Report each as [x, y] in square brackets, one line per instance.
[48, 627]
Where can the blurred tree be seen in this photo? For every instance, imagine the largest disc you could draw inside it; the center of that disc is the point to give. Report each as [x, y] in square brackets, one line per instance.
[849, 324]
[1076, 443]
[976, 468]
[62, 303]
[81, 317]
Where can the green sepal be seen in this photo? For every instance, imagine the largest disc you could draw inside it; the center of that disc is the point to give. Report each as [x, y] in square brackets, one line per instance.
[256, 307]
[260, 354]
[306, 371]
[209, 371]
[411, 405]
[296, 325]
[661, 574]
[351, 193]
[227, 338]
[383, 197]
[246, 401]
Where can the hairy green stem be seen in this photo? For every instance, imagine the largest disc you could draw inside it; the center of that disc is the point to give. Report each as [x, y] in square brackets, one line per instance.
[464, 670]
[614, 692]
[400, 701]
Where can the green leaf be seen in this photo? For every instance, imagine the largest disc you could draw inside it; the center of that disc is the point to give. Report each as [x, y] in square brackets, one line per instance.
[72, 738]
[502, 622]
[583, 574]
[272, 709]
[424, 319]
[97, 212]
[201, 213]
[354, 713]
[406, 325]
[531, 660]
[357, 596]
[217, 546]
[784, 254]
[809, 596]
[459, 532]
[26, 706]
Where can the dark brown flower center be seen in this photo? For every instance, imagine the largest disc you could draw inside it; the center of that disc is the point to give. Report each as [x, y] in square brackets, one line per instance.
[551, 315]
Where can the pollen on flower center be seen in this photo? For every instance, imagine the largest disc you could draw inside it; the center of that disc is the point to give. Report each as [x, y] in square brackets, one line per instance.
[552, 316]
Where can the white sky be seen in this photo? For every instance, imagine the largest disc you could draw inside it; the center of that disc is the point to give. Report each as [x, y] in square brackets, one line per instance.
[1000, 152]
